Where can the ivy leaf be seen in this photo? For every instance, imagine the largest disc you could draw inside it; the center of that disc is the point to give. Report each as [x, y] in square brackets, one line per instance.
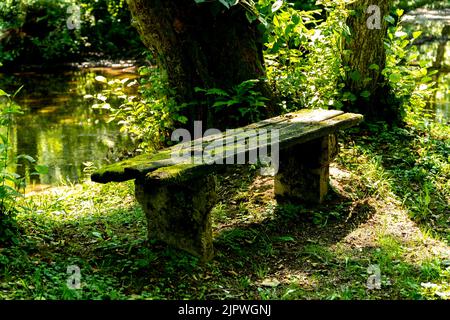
[416, 34]
[355, 75]
[365, 94]
[26, 157]
[277, 5]
[395, 77]
[390, 19]
[41, 169]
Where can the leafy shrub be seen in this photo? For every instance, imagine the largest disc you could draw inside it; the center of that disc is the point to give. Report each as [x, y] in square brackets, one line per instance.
[10, 183]
[243, 98]
[8, 193]
[303, 52]
[408, 76]
[147, 117]
[304, 57]
[37, 30]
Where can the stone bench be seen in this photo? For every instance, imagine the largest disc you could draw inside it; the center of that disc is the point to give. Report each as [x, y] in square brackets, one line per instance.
[176, 186]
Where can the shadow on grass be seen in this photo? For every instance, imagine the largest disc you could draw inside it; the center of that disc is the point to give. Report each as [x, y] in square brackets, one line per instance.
[290, 242]
[282, 235]
[415, 163]
[113, 252]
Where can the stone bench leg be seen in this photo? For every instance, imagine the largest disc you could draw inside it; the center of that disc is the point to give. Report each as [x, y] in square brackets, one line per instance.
[303, 175]
[178, 213]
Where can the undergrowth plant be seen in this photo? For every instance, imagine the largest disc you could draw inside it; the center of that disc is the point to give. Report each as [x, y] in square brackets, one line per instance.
[57, 30]
[303, 52]
[304, 58]
[12, 185]
[243, 98]
[147, 116]
[407, 73]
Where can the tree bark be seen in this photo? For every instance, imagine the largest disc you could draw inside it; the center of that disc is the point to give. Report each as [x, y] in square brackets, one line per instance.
[365, 58]
[200, 45]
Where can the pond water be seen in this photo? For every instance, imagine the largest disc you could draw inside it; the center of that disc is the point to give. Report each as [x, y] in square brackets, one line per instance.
[59, 128]
[434, 46]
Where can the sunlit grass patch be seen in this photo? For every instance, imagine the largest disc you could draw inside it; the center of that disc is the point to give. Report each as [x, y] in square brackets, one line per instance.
[384, 180]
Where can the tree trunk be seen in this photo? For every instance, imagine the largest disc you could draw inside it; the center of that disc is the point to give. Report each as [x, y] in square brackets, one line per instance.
[200, 45]
[365, 58]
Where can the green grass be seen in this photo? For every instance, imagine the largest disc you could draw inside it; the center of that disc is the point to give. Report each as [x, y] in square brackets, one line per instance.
[389, 208]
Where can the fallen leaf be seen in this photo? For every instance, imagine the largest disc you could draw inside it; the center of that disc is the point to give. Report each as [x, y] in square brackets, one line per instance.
[270, 283]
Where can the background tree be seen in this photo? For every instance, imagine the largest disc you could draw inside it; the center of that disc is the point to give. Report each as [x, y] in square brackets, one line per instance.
[364, 57]
[206, 44]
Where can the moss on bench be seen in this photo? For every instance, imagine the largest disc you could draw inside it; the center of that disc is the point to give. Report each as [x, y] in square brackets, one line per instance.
[295, 128]
[131, 168]
[116, 172]
[178, 193]
[178, 173]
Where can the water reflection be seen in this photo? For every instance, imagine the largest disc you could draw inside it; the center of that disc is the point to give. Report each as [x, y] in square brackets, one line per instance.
[59, 128]
[443, 99]
[434, 46]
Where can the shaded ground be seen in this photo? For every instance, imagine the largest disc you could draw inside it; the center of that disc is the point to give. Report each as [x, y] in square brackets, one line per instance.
[378, 215]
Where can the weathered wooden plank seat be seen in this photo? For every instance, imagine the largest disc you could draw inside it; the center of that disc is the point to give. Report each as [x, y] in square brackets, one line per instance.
[176, 185]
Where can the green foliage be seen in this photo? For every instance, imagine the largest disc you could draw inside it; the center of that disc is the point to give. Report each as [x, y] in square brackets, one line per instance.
[226, 3]
[303, 52]
[411, 164]
[10, 183]
[438, 276]
[306, 252]
[244, 97]
[260, 255]
[304, 58]
[37, 30]
[149, 116]
[407, 73]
